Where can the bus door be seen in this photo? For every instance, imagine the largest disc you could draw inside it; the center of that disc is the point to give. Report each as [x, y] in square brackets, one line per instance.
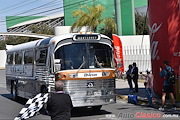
[19, 72]
[29, 73]
[41, 67]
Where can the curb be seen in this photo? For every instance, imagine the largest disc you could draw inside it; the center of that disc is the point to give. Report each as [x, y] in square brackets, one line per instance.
[143, 101]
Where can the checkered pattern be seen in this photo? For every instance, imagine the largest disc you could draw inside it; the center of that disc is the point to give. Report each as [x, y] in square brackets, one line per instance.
[32, 106]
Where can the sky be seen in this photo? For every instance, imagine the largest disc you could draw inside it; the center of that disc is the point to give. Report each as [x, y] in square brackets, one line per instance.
[28, 8]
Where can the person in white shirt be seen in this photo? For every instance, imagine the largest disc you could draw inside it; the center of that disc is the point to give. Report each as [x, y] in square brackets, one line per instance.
[149, 86]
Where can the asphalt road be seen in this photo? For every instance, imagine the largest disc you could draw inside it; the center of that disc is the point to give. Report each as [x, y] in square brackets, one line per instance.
[121, 110]
[2, 78]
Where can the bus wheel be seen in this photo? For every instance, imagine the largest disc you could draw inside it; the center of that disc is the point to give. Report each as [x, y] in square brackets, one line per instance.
[14, 91]
[96, 108]
[44, 89]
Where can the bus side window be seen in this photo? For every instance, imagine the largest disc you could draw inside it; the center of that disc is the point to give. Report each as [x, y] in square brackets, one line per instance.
[28, 57]
[41, 56]
[18, 58]
[9, 59]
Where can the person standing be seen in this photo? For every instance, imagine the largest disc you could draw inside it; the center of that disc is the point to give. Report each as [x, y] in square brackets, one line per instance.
[135, 75]
[167, 87]
[148, 86]
[59, 104]
[129, 78]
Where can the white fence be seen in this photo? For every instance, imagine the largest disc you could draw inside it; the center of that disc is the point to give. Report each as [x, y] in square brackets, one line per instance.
[136, 49]
[2, 59]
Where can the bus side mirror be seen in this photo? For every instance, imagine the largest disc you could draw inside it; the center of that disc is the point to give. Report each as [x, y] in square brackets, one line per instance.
[57, 64]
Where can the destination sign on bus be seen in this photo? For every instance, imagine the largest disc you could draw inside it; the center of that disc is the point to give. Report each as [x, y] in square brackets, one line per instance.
[87, 37]
[92, 75]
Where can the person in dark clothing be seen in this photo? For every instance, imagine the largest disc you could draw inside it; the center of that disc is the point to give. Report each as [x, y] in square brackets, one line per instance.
[134, 72]
[129, 78]
[167, 87]
[59, 105]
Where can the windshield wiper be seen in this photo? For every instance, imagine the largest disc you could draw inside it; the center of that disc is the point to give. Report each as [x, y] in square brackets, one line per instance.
[81, 65]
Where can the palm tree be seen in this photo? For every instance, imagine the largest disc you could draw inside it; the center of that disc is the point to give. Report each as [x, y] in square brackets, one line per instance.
[89, 17]
[109, 27]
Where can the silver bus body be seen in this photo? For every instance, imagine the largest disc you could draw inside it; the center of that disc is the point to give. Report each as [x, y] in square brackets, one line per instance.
[83, 62]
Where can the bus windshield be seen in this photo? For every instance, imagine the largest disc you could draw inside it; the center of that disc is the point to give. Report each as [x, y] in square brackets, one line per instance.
[84, 56]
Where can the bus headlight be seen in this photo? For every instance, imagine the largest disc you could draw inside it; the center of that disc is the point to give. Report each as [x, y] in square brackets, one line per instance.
[62, 76]
[73, 75]
[112, 100]
[105, 73]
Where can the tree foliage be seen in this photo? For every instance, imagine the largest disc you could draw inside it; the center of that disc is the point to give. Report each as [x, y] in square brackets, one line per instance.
[91, 17]
[141, 22]
[2, 45]
[41, 29]
[14, 40]
[109, 27]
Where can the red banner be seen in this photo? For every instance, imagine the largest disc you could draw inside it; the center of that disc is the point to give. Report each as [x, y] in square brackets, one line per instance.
[118, 53]
[164, 24]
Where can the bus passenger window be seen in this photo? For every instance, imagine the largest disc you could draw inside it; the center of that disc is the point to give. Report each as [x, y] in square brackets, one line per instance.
[41, 56]
[18, 58]
[28, 57]
[9, 59]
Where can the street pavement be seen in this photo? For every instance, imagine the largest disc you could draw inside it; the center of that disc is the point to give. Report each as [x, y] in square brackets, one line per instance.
[122, 91]
[2, 78]
[122, 110]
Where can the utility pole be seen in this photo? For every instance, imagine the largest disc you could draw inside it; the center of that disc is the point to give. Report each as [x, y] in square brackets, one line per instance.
[118, 16]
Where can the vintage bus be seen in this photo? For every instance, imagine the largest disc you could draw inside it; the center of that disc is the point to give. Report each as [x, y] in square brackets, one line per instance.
[84, 62]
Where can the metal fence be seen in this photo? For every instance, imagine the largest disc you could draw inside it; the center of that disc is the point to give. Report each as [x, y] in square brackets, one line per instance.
[139, 54]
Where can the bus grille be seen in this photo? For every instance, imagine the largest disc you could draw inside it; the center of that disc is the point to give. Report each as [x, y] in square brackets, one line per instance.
[91, 92]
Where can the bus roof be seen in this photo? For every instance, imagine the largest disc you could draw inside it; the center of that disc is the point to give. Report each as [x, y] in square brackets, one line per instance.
[33, 44]
[28, 45]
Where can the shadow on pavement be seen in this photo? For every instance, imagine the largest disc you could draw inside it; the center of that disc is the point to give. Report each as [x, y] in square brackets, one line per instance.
[122, 94]
[19, 100]
[77, 112]
[125, 91]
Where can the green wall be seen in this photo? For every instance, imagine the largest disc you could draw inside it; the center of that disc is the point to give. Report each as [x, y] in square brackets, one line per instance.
[125, 12]
[128, 17]
[13, 20]
[140, 3]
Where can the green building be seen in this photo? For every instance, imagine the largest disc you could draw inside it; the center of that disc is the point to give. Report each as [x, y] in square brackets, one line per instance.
[13, 20]
[123, 9]
[22, 23]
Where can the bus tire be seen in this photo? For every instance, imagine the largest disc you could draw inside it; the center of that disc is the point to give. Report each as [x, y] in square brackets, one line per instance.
[14, 91]
[96, 108]
[44, 89]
